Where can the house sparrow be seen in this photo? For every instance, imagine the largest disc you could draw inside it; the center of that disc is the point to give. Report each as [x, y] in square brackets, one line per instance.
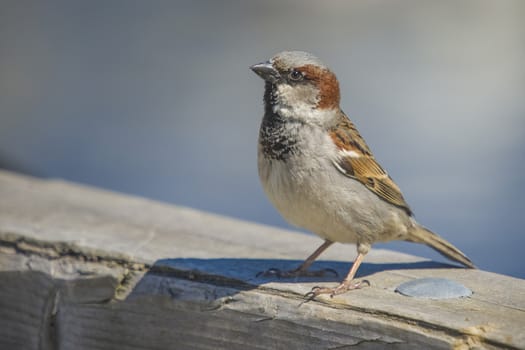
[321, 175]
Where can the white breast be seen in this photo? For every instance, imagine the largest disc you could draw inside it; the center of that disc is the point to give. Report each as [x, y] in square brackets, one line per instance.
[311, 193]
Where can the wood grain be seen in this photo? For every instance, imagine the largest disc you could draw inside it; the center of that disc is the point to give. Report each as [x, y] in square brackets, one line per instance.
[82, 268]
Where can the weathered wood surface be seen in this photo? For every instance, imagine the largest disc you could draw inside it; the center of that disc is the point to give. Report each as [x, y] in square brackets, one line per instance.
[82, 268]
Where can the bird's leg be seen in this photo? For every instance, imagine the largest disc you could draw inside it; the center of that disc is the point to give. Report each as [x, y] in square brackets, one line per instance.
[302, 270]
[345, 286]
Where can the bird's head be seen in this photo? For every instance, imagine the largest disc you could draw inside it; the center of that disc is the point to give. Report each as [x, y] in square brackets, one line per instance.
[298, 85]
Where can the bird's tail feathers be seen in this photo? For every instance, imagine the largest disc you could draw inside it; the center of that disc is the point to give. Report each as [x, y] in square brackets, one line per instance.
[422, 235]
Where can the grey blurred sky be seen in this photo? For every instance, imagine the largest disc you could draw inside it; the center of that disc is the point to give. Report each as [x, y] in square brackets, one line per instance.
[155, 98]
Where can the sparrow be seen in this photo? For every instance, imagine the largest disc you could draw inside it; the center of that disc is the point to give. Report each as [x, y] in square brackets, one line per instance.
[320, 174]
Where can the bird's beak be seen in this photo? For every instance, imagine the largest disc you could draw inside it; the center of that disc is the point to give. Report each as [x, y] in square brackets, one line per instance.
[266, 71]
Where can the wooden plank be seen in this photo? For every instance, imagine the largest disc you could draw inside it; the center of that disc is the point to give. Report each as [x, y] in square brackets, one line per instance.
[82, 268]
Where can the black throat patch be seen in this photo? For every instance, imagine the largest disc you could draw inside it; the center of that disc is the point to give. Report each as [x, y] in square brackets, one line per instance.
[276, 135]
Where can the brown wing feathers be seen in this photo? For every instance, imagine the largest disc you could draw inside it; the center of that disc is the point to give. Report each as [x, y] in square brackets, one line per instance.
[357, 161]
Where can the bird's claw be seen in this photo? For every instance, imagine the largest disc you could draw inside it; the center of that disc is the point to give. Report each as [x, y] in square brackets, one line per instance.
[340, 289]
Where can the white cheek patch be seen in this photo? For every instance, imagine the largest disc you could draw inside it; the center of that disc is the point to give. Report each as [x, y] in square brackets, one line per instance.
[300, 102]
[292, 97]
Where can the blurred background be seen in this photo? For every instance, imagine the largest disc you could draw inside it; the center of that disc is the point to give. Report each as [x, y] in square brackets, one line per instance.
[155, 98]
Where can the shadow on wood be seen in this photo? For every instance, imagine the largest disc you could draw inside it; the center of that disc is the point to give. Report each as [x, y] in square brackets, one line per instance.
[82, 268]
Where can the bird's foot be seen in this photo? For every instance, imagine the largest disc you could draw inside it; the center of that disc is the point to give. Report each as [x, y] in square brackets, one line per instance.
[273, 272]
[344, 287]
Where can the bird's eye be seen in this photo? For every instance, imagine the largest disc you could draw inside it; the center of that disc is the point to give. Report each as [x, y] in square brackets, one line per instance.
[296, 75]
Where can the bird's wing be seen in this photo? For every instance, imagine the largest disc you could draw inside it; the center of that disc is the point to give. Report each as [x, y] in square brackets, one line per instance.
[355, 160]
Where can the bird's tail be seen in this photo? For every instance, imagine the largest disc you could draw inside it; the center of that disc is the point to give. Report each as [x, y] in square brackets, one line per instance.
[422, 235]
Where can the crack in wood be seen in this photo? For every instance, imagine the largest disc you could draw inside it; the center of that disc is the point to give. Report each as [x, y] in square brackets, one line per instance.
[58, 250]
[63, 250]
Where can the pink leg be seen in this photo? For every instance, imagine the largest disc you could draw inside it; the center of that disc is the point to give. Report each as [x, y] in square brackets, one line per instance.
[302, 270]
[345, 285]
